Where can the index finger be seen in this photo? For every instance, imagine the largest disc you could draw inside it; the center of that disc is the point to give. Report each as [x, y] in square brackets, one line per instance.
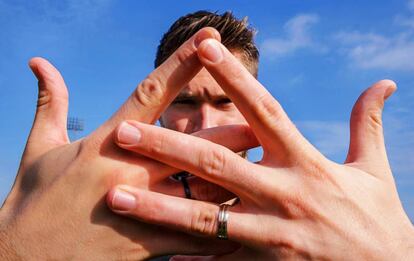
[160, 87]
[264, 114]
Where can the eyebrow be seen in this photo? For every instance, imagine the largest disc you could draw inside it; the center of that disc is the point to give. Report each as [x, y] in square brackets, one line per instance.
[184, 95]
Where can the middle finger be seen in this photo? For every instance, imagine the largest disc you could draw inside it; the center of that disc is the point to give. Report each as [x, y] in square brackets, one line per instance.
[156, 92]
[273, 128]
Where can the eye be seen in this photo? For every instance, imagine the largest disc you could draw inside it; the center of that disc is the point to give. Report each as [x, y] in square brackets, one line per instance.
[184, 102]
[224, 102]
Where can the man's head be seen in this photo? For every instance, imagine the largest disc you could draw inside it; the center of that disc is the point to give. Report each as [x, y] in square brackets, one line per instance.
[202, 103]
[236, 35]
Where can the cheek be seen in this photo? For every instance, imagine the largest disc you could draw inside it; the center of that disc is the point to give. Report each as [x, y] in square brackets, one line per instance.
[174, 121]
[233, 117]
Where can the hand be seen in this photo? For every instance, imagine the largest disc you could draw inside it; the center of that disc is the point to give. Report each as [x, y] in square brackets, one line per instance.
[295, 203]
[56, 208]
[234, 137]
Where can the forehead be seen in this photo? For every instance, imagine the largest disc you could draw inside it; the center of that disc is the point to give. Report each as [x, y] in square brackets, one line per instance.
[203, 84]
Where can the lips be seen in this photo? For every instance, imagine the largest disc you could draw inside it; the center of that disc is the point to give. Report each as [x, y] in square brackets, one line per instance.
[181, 175]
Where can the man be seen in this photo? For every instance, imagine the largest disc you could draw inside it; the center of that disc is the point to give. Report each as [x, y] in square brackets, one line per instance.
[56, 211]
[202, 104]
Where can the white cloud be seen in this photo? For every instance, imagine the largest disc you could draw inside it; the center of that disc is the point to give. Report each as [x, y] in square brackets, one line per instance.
[405, 21]
[411, 5]
[375, 51]
[330, 137]
[59, 25]
[297, 36]
[378, 51]
[399, 139]
[75, 10]
[65, 12]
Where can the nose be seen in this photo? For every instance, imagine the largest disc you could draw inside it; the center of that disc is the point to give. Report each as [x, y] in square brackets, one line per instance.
[206, 118]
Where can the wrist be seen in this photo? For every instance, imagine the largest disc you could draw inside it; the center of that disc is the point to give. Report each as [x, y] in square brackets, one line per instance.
[406, 250]
[7, 252]
[410, 246]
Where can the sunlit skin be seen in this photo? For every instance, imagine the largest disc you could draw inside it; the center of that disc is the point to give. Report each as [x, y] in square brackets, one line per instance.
[294, 204]
[56, 209]
[202, 104]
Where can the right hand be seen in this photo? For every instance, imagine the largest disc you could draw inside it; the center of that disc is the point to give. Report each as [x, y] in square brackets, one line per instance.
[56, 208]
[295, 203]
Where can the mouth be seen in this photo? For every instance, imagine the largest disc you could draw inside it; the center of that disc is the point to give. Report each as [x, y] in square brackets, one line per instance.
[196, 188]
[182, 175]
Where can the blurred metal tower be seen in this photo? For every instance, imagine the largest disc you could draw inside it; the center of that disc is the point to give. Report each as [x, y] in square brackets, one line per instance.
[75, 126]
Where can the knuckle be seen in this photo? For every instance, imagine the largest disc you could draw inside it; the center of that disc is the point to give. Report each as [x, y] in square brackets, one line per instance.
[268, 110]
[150, 92]
[375, 119]
[321, 173]
[44, 98]
[157, 145]
[293, 206]
[183, 57]
[316, 167]
[212, 162]
[368, 109]
[203, 222]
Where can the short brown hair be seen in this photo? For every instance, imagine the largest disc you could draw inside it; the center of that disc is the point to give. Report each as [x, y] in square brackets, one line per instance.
[236, 35]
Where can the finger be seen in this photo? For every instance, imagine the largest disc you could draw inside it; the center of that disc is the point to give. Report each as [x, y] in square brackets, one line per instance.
[194, 217]
[191, 245]
[264, 114]
[178, 242]
[237, 138]
[242, 253]
[199, 190]
[156, 92]
[200, 157]
[367, 147]
[49, 126]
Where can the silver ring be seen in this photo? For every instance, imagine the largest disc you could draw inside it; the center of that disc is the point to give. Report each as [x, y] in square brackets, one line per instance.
[222, 218]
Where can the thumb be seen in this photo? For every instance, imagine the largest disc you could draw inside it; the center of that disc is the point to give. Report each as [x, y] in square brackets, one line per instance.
[49, 126]
[367, 147]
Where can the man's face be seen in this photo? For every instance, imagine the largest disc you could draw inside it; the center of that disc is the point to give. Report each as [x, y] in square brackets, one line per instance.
[201, 104]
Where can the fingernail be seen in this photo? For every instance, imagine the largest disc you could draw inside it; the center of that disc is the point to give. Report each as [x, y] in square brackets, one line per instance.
[212, 51]
[389, 91]
[205, 34]
[123, 200]
[128, 134]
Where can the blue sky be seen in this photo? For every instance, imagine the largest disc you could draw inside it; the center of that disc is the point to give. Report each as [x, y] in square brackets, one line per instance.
[316, 58]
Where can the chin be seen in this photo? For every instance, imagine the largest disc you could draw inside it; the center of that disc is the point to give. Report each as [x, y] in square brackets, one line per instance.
[201, 189]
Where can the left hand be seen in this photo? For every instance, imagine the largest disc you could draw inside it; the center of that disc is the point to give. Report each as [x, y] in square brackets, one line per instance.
[294, 203]
[56, 208]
